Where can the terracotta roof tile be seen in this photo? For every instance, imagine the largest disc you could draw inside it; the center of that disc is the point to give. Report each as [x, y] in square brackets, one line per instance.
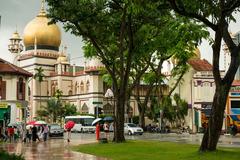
[200, 64]
[6, 67]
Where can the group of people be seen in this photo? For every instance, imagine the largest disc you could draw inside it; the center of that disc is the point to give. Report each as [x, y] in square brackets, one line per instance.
[35, 133]
[106, 128]
[11, 133]
[15, 133]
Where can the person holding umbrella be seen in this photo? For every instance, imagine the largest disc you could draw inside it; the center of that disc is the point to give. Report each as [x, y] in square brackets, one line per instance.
[106, 129]
[97, 131]
[68, 126]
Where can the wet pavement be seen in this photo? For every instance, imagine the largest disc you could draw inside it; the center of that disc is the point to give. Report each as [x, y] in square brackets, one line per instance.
[53, 149]
[60, 149]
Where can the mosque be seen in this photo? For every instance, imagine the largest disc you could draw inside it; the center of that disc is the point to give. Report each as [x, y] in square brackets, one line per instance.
[81, 85]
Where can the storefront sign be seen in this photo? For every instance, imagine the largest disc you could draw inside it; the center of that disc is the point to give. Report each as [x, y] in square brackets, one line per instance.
[19, 105]
[3, 105]
[235, 89]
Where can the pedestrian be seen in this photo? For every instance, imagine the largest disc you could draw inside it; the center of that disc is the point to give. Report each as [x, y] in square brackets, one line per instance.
[40, 132]
[3, 135]
[29, 134]
[106, 129]
[45, 132]
[34, 134]
[68, 134]
[98, 131]
[10, 133]
[16, 134]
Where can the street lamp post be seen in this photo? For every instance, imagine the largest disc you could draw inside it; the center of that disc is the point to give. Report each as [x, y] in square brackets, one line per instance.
[109, 93]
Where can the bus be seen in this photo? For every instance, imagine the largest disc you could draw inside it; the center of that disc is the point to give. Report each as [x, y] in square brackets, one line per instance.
[83, 124]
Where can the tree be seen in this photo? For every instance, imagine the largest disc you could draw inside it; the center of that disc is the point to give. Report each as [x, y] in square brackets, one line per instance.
[112, 31]
[39, 76]
[185, 34]
[56, 110]
[216, 15]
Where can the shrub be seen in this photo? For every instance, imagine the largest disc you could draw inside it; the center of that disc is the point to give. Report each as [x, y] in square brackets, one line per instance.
[7, 156]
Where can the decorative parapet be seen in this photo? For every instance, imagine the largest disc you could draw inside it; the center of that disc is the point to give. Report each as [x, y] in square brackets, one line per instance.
[93, 68]
[52, 74]
[39, 53]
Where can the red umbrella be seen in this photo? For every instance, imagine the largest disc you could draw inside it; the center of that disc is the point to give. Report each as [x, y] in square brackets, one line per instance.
[31, 123]
[69, 124]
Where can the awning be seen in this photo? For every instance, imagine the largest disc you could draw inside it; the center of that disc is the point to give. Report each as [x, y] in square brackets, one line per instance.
[235, 114]
[207, 111]
[235, 117]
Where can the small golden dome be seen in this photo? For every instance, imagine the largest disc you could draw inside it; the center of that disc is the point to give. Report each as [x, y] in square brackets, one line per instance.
[38, 31]
[62, 59]
[15, 35]
[197, 53]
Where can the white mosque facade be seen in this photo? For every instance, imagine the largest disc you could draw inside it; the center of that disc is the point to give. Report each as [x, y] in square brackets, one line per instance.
[81, 86]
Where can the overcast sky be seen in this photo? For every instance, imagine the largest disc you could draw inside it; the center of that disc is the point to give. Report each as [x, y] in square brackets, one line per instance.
[17, 13]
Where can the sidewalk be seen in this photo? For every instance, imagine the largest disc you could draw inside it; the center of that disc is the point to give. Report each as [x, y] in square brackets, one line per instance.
[53, 149]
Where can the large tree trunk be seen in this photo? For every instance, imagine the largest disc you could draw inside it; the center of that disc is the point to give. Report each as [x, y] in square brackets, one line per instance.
[141, 116]
[223, 85]
[119, 120]
[212, 134]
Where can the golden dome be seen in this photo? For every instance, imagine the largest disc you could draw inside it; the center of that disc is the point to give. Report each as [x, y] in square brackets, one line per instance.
[62, 59]
[38, 31]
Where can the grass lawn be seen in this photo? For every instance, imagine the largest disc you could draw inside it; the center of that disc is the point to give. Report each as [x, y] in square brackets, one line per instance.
[155, 150]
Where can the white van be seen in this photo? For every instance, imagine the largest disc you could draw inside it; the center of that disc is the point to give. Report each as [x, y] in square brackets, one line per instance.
[83, 124]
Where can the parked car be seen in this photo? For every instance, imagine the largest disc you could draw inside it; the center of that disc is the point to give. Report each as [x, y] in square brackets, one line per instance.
[131, 129]
[55, 130]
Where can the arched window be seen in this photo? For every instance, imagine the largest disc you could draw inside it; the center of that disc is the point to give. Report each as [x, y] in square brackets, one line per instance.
[20, 89]
[76, 88]
[70, 92]
[85, 109]
[2, 89]
[82, 87]
[108, 109]
[87, 86]
[53, 89]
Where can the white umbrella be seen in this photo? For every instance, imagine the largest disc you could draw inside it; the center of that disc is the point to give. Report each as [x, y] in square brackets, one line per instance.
[40, 122]
[96, 121]
[29, 126]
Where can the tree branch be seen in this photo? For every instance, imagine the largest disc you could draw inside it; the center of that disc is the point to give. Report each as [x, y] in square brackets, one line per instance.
[183, 12]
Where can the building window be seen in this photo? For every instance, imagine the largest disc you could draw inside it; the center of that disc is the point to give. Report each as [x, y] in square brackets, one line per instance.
[108, 109]
[53, 89]
[82, 87]
[87, 86]
[70, 92]
[20, 89]
[2, 89]
[76, 88]
[85, 109]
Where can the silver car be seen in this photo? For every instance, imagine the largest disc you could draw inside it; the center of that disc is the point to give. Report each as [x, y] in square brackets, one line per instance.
[55, 130]
[131, 129]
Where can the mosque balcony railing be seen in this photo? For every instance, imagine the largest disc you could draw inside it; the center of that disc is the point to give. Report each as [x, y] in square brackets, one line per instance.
[61, 74]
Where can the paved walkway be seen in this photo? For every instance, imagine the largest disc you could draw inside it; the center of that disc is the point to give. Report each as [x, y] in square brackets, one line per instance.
[53, 149]
[59, 148]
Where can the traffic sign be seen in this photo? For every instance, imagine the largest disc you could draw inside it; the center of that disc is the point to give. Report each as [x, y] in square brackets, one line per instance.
[97, 102]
